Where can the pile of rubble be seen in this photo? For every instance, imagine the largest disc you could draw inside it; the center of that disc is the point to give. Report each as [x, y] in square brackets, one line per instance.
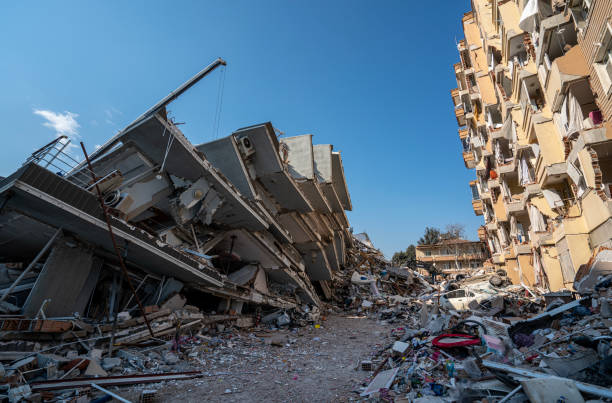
[247, 229]
[514, 345]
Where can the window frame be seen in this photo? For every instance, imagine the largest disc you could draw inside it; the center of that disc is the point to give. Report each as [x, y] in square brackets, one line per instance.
[603, 57]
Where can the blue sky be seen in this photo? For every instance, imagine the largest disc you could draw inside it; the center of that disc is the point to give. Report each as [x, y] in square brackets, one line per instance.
[371, 78]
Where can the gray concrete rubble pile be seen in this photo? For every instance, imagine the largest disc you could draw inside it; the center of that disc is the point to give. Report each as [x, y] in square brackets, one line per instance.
[480, 340]
[249, 225]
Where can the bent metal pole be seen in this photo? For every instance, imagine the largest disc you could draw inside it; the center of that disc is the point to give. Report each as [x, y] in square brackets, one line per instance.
[112, 236]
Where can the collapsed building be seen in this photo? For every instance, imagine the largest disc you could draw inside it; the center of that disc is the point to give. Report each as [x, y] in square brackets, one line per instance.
[533, 105]
[245, 221]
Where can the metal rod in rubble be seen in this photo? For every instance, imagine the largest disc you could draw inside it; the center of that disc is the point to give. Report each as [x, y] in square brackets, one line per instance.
[112, 236]
[31, 265]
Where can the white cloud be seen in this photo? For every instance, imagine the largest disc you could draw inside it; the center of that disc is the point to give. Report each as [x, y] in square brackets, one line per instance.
[64, 124]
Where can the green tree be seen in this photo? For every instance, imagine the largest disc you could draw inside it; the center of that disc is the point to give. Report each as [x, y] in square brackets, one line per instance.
[431, 236]
[402, 257]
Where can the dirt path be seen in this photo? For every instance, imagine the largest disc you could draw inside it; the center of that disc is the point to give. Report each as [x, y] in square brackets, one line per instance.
[308, 364]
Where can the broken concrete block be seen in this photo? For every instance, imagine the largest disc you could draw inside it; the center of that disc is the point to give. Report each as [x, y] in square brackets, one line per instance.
[110, 362]
[19, 393]
[72, 354]
[170, 358]
[400, 347]
[552, 389]
[95, 354]
[175, 302]
[123, 316]
[424, 315]
[95, 369]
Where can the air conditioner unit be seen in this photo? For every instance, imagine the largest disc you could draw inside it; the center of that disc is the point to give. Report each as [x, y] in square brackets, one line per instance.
[246, 146]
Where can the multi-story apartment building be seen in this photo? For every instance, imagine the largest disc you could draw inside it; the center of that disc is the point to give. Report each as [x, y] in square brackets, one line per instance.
[534, 107]
[454, 256]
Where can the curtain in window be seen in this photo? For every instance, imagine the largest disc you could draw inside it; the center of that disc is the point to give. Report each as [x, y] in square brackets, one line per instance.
[537, 221]
[574, 115]
[523, 172]
[552, 198]
[513, 228]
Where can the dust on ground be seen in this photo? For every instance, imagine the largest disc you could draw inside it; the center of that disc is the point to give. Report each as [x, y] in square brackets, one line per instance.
[299, 365]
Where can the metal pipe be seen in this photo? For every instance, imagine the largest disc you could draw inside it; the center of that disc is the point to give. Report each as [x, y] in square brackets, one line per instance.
[178, 92]
[151, 111]
[512, 393]
[31, 265]
[115, 246]
[108, 392]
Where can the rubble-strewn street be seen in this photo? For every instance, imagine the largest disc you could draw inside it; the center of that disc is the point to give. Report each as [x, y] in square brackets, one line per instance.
[308, 364]
[145, 257]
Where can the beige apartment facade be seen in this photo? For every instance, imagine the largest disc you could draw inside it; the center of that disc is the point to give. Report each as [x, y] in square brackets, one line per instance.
[454, 256]
[534, 106]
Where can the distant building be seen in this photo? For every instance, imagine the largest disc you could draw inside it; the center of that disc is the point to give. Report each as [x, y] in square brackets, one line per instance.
[454, 256]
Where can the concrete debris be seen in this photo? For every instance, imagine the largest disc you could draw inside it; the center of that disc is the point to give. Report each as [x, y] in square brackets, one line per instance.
[448, 348]
[159, 258]
[152, 239]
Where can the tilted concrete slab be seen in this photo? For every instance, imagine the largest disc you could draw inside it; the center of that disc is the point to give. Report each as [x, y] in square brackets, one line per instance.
[268, 167]
[281, 265]
[330, 252]
[300, 231]
[185, 162]
[225, 156]
[47, 198]
[315, 258]
[339, 181]
[301, 166]
[63, 281]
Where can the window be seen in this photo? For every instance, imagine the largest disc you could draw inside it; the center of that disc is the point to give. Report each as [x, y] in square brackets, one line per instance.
[427, 253]
[456, 294]
[603, 60]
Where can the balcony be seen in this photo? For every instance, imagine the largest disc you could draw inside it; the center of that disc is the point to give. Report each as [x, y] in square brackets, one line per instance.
[550, 174]
[498, 258]
[455, 96]
[555, 32]
[568, 71]
[493, 183]
[482, 233]
[532, 189]
[458, 68]
[463, 133]
[491, 226]
[541, 238]
[477, 206]
[517, 205]
[511, 33]
[460, 115]
[507, 168]
[469, 159]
